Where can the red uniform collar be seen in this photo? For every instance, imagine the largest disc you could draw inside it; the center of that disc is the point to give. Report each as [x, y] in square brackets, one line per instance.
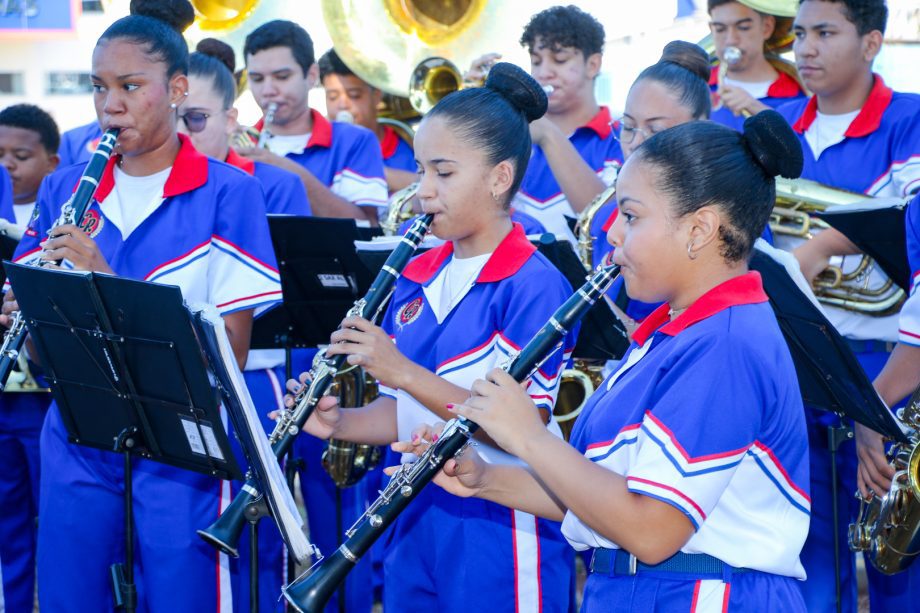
[321, 136]
[245, 164]
[745, 289]
[868, 119]
[783, 87]
[189, 171]
[600, 123]
[389, 143]
[506, 260]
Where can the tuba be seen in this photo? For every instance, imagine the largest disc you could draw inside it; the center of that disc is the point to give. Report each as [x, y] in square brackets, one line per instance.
[796, 201]
[888, 527]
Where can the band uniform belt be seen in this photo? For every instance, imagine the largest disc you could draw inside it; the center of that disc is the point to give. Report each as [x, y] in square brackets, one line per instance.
[619, 562]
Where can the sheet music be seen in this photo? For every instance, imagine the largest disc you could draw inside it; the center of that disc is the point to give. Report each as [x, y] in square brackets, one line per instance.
[869, 204]
[255, 442]
[388, 243]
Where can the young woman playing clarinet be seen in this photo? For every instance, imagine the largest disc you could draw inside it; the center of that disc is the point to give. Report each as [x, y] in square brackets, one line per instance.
[687, 471]
[457, 311]
[163, 213]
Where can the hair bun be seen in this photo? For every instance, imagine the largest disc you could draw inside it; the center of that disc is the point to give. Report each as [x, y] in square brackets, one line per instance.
[178, 14]
[688, 56]
[219, 50]
[773, 144]
[518, 88]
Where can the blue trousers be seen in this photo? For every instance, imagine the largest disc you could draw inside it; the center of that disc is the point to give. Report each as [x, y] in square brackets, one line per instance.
[21, 417]
[451, 554]
[753, 591]
[81, 532]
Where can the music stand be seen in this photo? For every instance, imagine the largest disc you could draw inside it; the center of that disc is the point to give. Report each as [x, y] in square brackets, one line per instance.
[877, 227]
[127, 374]
[829, 376]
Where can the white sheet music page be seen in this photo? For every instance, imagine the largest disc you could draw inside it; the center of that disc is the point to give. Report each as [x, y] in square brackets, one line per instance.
[281, 502]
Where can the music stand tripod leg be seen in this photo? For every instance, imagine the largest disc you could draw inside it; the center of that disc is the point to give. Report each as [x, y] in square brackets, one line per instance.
[836, 435]
[254, 512]
[124, 589]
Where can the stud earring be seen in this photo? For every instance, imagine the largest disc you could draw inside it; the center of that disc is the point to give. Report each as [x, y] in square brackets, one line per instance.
[173, 106]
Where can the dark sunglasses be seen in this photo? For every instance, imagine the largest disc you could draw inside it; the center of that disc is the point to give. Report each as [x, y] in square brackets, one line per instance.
[195, 121]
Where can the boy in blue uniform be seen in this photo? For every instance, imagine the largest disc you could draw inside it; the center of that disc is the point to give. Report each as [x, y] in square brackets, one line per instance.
[575, 153]
[350, 99]
[340, 164]
[167, 214]
[456, 311]
[859, 135]
[752, 82]
[676, 469]
[28, 149]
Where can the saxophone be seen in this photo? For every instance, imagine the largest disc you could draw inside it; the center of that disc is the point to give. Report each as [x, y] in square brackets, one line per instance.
[310, 592]
[71, 213]
[888, 527]
[224, 534]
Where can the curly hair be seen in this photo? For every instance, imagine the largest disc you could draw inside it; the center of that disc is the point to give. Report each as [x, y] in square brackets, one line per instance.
[565, 26]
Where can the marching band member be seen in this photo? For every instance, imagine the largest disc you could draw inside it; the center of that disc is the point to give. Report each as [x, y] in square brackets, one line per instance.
[78, 144]
[456, 311]
[29, 141]
[209, 119]
[164, 213]
[6, 196]
[859, 135]
[339, 164]
[750, 83]
[347, 93]
[689, 485]
[671, 92]
[575, 153]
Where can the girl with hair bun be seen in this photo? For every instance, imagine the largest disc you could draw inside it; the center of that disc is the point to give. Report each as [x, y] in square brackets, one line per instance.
[457, 311]
[209, 119]
[163, 213]
[687, 473]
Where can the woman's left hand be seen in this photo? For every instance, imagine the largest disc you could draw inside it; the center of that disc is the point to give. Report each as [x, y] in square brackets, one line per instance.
[369, 347]
[501, 407]
[71, 243]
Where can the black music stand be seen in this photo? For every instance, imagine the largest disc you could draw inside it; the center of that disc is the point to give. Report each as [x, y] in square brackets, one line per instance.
[127, 374]
[829, 376]
[877, 228]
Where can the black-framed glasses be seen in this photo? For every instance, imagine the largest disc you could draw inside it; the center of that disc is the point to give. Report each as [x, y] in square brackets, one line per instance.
[195, 121]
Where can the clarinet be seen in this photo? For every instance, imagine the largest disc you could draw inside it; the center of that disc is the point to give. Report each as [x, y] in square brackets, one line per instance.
[310, 592]
[71, 213]
[224, 534]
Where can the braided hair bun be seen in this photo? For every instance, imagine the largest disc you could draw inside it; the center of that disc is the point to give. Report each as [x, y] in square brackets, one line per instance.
[178, 14]
[219, 50]
[518, 88]
[773, 144]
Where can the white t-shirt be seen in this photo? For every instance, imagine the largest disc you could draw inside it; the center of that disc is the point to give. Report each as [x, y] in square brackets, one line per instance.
[757, 89]
[23, 213]
[454, 282]
[828, 130]
[293, 143]
[134, 199]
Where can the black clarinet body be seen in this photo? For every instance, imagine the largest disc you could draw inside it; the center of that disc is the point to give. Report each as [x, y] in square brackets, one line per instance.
[71, 213]
[310, 592]
[224, 534]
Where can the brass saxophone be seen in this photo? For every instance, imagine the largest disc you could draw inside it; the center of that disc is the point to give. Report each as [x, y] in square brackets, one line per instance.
[399, 209]
[344, 461]
[888, 527]
[585, 242]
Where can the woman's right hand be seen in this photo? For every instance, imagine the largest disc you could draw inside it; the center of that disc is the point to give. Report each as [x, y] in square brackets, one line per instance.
[463, 476]
[324, 419]
[479, 68]
[10, 306]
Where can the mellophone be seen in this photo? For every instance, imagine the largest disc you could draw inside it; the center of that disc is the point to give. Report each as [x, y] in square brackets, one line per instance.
[311, 591]
[71, 213]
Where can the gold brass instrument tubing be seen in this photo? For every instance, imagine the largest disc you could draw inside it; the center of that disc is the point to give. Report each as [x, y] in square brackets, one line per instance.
[585, 242]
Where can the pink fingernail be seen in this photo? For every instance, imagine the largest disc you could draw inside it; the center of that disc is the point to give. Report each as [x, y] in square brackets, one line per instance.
[415, 438]
[434, 439]
[450, 406]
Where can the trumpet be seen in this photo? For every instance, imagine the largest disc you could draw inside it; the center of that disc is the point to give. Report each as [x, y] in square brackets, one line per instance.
[311, 591]
[224, 534]
[71, 213]
[251, 137]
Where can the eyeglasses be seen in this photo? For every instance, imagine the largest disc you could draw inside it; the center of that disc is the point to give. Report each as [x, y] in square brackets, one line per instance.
[627, 134]
[195, 121]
